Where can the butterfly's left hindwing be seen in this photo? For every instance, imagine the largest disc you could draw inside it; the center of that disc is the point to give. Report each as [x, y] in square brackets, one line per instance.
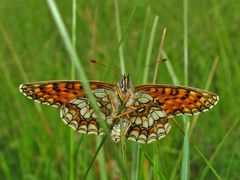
[79, 114]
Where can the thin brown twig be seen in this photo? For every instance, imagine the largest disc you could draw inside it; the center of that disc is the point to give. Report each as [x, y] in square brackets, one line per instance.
[159, 54]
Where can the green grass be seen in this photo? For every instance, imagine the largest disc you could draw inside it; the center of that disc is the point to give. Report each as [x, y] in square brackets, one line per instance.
[38, 44]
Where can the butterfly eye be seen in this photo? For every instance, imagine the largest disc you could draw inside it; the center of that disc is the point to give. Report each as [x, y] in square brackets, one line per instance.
[121, 84]
[129, 84]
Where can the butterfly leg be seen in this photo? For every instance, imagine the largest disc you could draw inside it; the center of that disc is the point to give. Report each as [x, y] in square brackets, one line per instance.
[126, 123]
[126, 113]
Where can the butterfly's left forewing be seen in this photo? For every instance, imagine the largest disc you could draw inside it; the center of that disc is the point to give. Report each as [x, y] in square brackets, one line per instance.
[58, 93]
[177, 100]
[75, 110]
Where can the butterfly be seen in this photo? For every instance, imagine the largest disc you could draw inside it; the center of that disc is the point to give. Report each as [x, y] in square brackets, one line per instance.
[143, 110]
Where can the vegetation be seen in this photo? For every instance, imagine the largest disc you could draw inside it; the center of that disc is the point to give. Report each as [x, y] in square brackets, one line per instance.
[201, 47]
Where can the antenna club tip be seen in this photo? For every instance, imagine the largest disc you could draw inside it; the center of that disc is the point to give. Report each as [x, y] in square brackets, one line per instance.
[93, 61]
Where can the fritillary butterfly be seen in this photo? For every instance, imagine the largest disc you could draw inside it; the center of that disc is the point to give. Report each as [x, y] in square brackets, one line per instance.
[145, 113]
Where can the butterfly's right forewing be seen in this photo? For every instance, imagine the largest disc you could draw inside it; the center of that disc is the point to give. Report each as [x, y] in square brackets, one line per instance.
[177, 100]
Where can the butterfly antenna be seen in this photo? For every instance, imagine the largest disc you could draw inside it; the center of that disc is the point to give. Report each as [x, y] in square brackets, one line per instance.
[113, 69]
[158, 61]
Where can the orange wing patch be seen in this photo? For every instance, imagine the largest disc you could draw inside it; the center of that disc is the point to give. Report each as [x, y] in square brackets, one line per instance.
[58, 93]
[176, 100]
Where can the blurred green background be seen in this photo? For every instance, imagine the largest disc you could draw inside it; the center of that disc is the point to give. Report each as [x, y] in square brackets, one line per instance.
[35, 144]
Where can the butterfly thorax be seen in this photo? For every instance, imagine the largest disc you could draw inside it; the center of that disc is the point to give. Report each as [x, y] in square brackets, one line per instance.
[124, 101]
[124, 89]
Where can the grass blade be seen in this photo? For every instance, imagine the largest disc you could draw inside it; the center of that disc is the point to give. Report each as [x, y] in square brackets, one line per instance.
[175, 169]
[170, 69]
[160, 174]
[149, 50]
[198, 151]
[217, 151]
[5, 167]
[207, 162]
[32, 54]
[209, 81]
[146, 72]
[136, 154]
[186, 153]
[75, 59]
[24, 77]
[155, 160]
[71, 136]
[185, 31]
[74, 28]
[142, 41]
[119, 36]
[102, 168]
[123, 71]
[135, 162]
[94, 157]
[123, 35]
[228, 171]
[101, 159]
[185, 160]
[155, 148]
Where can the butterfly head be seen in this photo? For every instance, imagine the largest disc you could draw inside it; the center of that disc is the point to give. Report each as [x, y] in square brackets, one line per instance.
[124, 86]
